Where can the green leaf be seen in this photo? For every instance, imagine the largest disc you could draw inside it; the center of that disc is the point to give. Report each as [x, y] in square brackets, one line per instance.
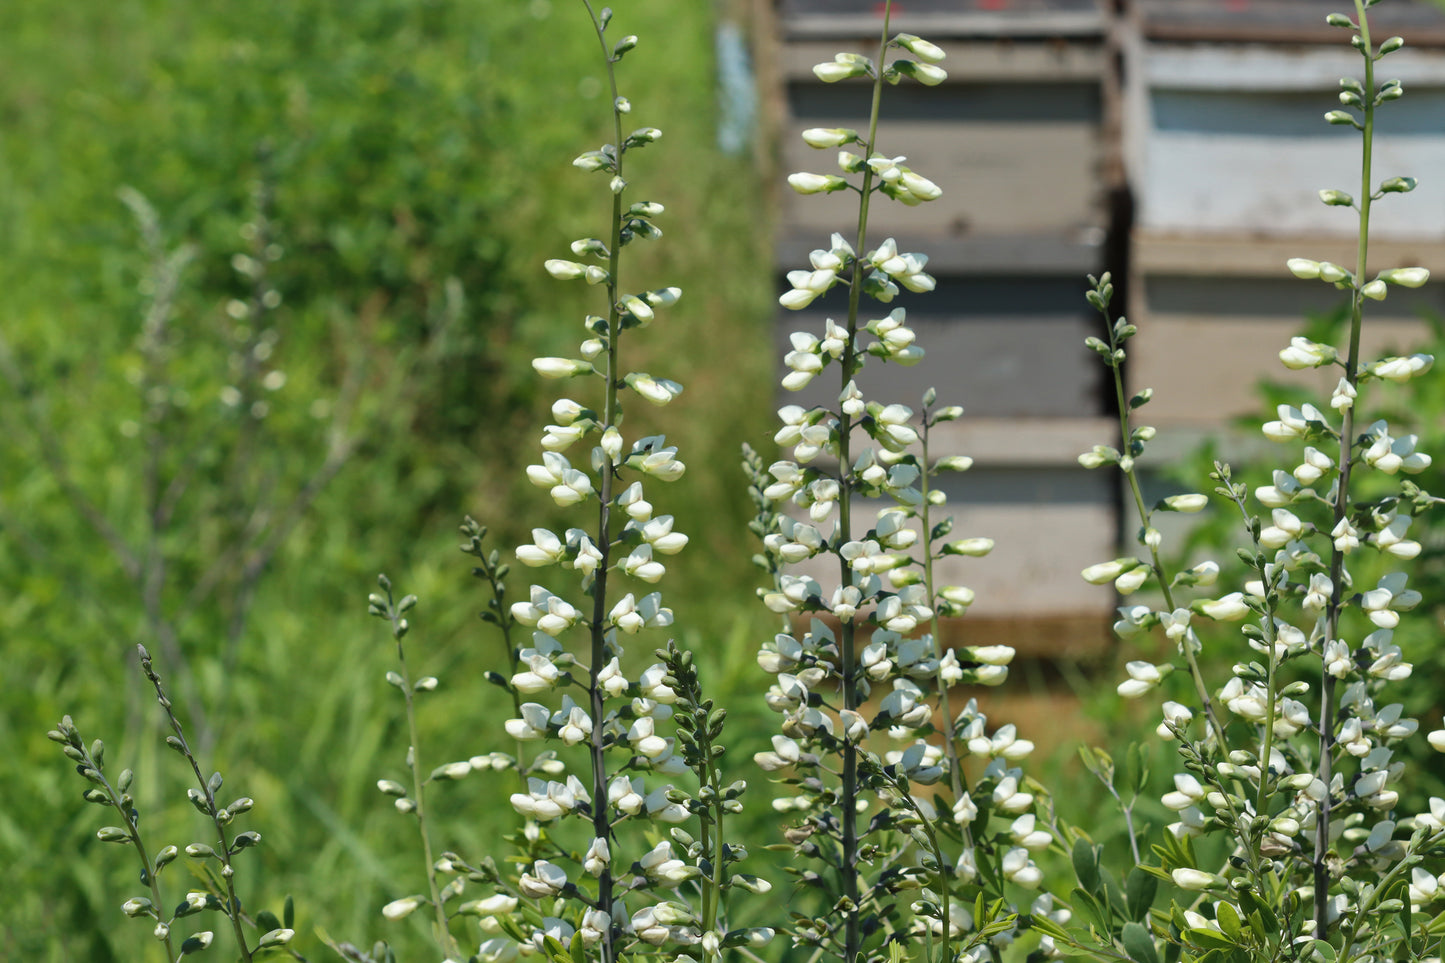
[1228, 918]
[1092, 905]
[1139, 892]
[1139, 944]
[1113, 899]
[288, 913]
[555, 951]
[1138, 767]
[1086, 864]
[1048, 927]
[1262, 918]
[1211, 938]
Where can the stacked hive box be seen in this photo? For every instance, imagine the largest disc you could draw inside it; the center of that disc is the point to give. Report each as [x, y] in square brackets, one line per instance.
[1018, 140]
[1226, 149]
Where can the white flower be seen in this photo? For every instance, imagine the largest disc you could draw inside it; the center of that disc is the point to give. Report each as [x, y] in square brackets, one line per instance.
[1007, 797]
[659, 391]
[1424, 887]
[560, 367]
[1194, 879]
[549, 613]
[1346, 537]
[1251, 704]
[1303, 268]
[545, 879]
[1338, 661]
[1189, 503]
[1315, 464]
[401, 908]
[1293, 422]
[806, 183]
[842, 67]
[1175, 716]
[1108, 571]
[661, 464]
[1319, 593]
[1304, 353]
[1019, 868]
[1187, 792]
[1400, 370]
[1408, 277]
[1023, 832]
[1343, 396]
[824, 138]
[1391, 539]
[924, 50]
[546, 549]
[532, 725]
[1286, 527]
[1143, 676]
[574, 724]
[497, 949]
[662, 866]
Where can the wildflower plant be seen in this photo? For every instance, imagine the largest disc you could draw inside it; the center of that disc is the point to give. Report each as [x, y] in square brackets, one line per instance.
[911, 818]
[213, 862]
[854, 586]
[616, 858]
[1291, 763]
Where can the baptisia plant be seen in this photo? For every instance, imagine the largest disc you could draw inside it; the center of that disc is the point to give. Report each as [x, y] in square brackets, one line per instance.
[1287, 772]
[867, 723]
[617, 858]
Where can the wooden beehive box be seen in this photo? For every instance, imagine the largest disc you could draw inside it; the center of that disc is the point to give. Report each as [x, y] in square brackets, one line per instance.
[1226, 150]
[1019, 138]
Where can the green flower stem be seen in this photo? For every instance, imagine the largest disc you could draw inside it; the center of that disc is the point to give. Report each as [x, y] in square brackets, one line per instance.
[393, 615]
[950, 745]
[492, 570]
[233, 904]
[1342, 491]
[1271, 634]
[92, 770]
[597, 743]
[852, 937]
[1156, 563]
[1364, 917]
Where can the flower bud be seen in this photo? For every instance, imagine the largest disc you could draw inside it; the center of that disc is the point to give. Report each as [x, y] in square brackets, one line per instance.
[919, 47]
[560, 367]
[1406, 277]
[806, 183]
[1188, 504]
[836, 70]
[401, 908]
[564, 270]
[824, 138]
[1194, 879]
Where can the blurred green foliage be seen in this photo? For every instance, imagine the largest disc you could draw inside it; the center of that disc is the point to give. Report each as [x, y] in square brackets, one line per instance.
[415, 160]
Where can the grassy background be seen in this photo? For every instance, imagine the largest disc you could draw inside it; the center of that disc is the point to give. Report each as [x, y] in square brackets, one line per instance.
[415, 151]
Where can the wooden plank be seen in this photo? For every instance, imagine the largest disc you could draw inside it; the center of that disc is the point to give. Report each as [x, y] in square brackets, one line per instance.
[993, 61]
[1230, 139]
[1205, 370]
[1282, 21]
[1243, 255]
[998, 176]
[996, 345]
